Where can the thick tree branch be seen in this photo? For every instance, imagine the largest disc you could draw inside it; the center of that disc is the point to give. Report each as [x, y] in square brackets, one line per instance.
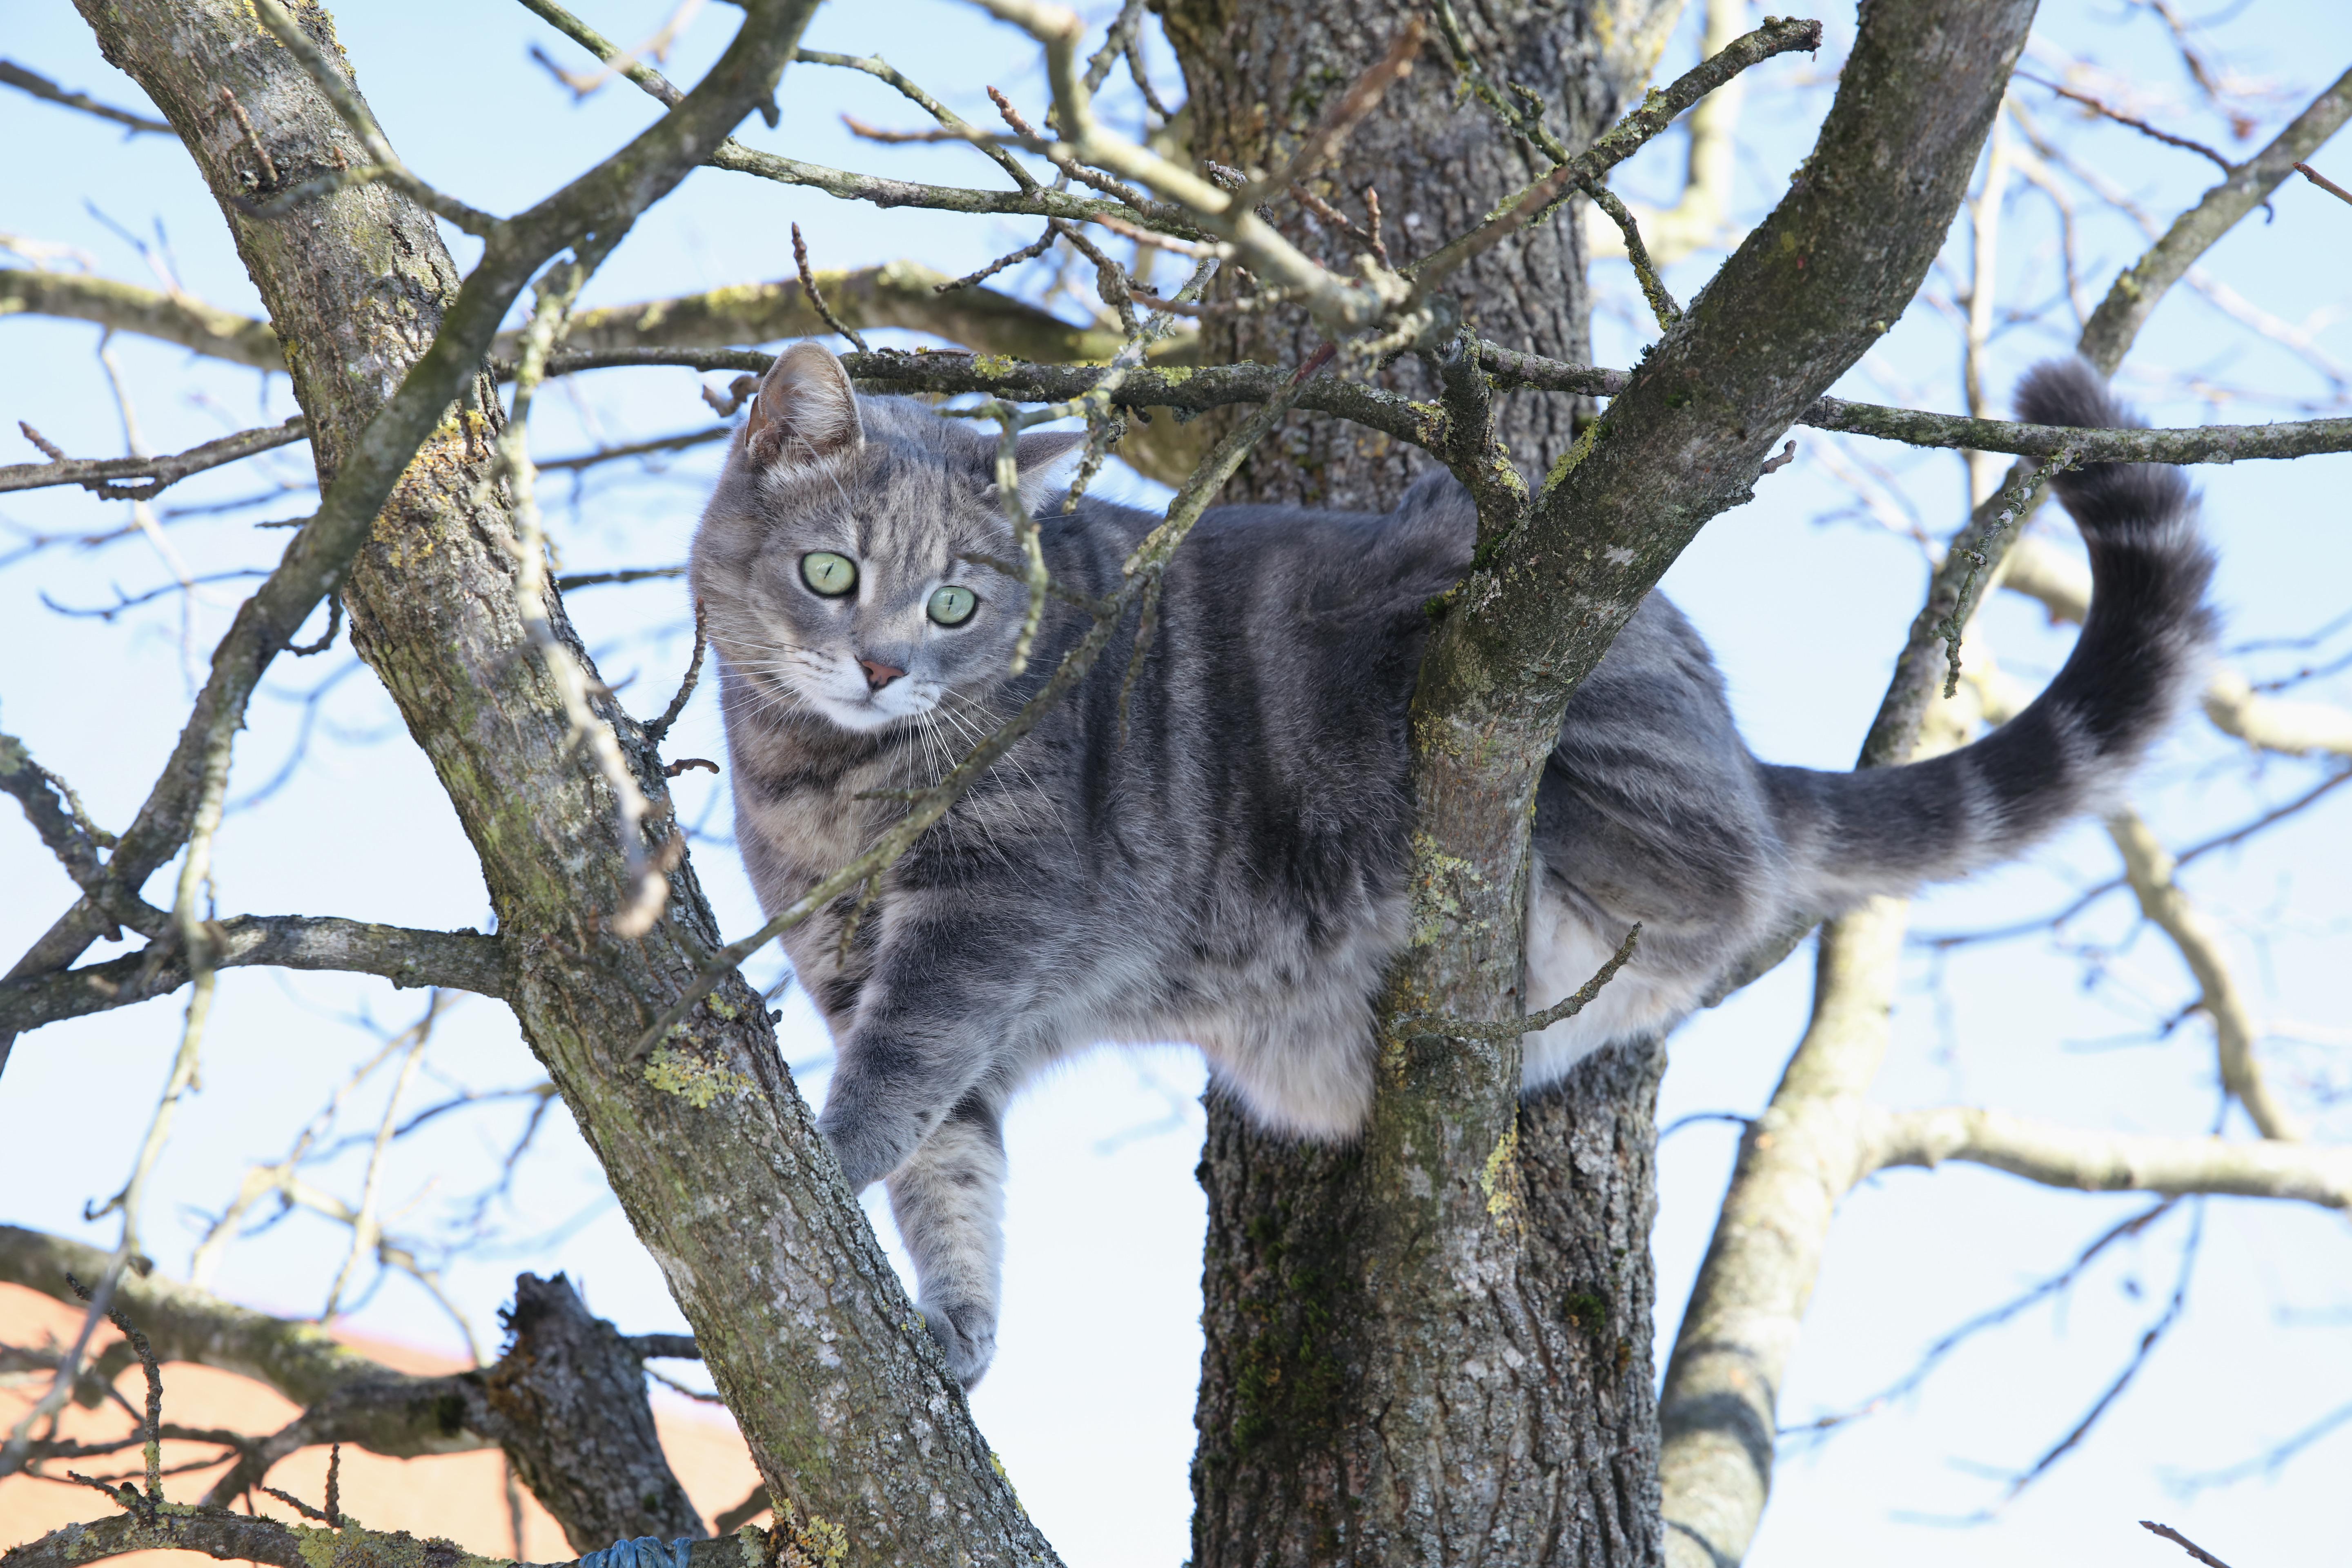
[2150, 868]
[1747, 1307]
[243, 1538]
[299, 1360]
[384, 439]
[838, 1384]
[458, 960]
[2092, 1161]
[127, 307]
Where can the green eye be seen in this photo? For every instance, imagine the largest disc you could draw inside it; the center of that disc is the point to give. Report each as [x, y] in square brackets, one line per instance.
[828, 575]
[952, 605]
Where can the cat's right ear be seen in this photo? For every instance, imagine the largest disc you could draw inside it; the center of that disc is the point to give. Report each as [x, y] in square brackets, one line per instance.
[805, 411]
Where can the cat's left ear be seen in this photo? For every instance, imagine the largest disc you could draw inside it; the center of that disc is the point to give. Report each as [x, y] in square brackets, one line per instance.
[1036, 457]
[805, 411]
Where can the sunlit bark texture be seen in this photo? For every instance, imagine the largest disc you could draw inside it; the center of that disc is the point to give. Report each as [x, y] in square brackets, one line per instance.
[1435, 1346]
[1558, 1466]
[714, 1156]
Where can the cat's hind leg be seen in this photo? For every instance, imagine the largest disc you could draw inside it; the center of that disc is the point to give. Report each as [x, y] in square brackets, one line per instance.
[948, 1201]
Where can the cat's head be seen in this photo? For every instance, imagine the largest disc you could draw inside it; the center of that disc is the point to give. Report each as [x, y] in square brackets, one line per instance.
[836, 562]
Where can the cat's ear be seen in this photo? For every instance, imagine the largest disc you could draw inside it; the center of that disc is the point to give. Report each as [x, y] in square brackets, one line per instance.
[1036, 457]
[805, 411]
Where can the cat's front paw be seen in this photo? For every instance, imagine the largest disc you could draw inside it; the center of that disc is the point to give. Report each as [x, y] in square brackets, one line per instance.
[967, 1332]
[868, 1144]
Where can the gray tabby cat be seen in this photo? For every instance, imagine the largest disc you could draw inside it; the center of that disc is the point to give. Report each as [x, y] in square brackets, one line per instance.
[1234, 874]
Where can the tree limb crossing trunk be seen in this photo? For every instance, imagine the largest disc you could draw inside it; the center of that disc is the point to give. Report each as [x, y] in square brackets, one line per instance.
[830, 1372]
[1544, 1433]
[1390, 1374]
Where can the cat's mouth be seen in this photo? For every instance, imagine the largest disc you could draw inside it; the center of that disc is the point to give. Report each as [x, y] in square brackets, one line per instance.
[849, 704]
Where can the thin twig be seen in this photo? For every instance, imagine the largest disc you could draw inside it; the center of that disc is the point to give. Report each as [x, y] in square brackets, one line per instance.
[659, 728]
[2324, 182]
[647, 873]
[1654, 288]
[365, 1227]
[952, 124]
[2120, 118]
[2182, 1542]
[1029, 252]
[1427, 1025]
[817, 295]
[252, 137]
[1115, 43]
[1983, 552]
[572, 581]
[17, 76]
[1353, 107]
[100, 475]
[361, 123]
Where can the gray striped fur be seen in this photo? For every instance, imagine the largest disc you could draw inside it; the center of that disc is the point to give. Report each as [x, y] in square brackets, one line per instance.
[1233, 875]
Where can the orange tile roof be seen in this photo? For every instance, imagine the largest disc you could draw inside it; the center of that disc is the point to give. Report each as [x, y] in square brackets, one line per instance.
[460, 1496]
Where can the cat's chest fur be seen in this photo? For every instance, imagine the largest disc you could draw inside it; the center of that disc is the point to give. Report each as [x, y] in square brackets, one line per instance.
[805, 805]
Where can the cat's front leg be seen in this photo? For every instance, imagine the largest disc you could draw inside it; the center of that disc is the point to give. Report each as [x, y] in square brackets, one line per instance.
[948, 1202]
[940, 1014]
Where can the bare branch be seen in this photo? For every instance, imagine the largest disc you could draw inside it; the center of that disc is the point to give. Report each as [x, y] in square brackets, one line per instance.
[949, 119]
[816, 298]
[102, 476]
[648, 870]
[2142, 126]
[1658, 110]
[1568, 1006]
[2324, 182]
[660, 729]
[17, 76]
[459, 961]
[602, 202]
[2190, 1547]
[1351, 109]
[127, 307]
[55, 812]
[2161, 899]
[2091, 1160]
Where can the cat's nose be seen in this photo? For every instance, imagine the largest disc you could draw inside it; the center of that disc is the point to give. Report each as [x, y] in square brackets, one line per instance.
[878, 674]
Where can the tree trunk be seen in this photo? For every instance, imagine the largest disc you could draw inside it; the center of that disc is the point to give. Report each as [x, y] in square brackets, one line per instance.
[1435, 1347]
[828, 1369]
[1373, 1389]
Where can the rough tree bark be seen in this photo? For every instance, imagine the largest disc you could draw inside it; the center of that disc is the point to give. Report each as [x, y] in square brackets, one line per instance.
[566, 1401]
[1435, 1346]
[1286, 1452]
[831, 1376]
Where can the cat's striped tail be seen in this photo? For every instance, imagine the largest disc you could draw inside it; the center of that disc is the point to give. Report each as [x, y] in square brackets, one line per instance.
[1887, 830]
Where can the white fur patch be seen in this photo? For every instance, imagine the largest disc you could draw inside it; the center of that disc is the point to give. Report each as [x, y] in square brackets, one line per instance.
[1563, 953]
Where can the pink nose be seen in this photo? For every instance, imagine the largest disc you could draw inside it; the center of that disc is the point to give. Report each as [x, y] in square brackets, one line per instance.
[877, 674]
